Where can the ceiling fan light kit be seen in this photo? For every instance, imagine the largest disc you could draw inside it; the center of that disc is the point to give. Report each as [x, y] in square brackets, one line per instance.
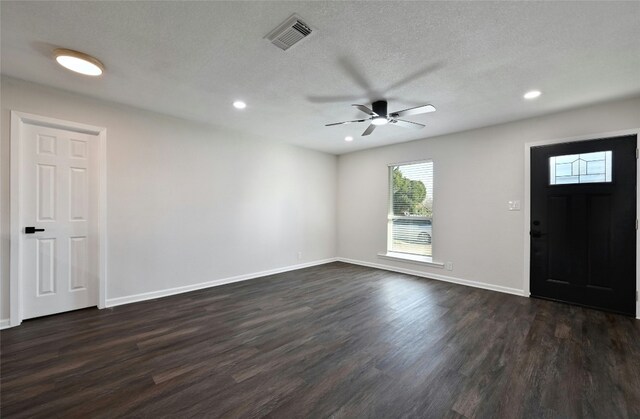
[378, 116]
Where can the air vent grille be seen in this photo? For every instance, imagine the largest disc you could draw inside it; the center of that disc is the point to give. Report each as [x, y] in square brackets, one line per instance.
[302, 28]
[289, 33]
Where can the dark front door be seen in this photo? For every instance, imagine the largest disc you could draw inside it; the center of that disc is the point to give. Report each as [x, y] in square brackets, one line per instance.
[583, 223]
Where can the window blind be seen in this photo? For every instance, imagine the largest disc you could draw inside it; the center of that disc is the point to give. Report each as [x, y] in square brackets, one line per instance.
[410, 227]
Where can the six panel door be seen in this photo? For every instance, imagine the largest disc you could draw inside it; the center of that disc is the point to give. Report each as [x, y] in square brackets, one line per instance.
[59, 263]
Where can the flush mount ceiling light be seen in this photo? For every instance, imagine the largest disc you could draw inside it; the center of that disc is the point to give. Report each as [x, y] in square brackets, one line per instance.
[238, 104]
[78, 62]
[532, 94]
[348, 138]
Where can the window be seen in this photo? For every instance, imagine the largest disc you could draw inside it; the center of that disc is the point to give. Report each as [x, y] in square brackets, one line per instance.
[411, 208]
[580, 168]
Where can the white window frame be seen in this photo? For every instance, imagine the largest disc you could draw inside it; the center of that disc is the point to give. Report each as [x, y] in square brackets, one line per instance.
[391, 217]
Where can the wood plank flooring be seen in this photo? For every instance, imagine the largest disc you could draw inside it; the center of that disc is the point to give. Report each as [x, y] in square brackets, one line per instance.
[336, 340]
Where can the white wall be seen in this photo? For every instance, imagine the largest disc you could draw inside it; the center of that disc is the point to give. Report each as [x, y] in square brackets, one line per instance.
[476, 173]
[188, 203]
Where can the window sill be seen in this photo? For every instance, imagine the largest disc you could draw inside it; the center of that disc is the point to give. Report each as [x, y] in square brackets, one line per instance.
[404, 257]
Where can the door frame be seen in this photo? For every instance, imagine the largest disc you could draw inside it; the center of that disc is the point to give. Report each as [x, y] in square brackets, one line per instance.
[18, 120]
[527, 200]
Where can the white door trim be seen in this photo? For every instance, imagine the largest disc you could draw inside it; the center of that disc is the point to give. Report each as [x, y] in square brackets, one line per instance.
[18, 119]
[527, 201]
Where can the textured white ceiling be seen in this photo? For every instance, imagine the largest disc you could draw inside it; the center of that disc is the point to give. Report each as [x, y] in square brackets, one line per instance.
[472, 60]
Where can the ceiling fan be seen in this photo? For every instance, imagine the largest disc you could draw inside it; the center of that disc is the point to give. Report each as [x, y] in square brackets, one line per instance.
[379, 116]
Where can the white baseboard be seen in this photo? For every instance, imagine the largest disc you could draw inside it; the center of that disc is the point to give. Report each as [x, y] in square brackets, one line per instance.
[5, 324]
[112, 302]
[438, 277]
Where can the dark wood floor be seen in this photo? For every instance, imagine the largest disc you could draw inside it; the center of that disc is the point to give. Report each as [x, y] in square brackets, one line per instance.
[336, 340]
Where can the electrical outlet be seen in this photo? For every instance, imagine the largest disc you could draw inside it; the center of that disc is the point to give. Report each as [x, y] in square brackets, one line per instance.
[449, 266]
[299, 255]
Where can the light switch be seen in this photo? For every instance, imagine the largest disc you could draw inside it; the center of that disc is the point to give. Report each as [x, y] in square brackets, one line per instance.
[514, 205]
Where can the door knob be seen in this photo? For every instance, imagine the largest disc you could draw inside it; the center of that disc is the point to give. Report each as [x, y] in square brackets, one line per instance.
[31, 230]
[535, 234]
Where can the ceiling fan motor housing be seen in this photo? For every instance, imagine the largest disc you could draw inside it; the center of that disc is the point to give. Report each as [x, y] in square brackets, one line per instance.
[380, 107]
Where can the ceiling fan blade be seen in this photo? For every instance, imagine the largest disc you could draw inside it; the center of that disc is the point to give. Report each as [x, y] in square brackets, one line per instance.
[369, 130]
[413, 111]
[406, 124]
[346, 122]
[365, 110]
[333, 99]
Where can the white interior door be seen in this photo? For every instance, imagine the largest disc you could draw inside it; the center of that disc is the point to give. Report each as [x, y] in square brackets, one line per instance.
[59, 197]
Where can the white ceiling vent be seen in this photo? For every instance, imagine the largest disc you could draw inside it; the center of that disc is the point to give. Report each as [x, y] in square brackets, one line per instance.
[289, 33]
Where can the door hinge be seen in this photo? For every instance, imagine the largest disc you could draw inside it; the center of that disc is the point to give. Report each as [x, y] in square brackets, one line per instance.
[637, 153]
[636, 224]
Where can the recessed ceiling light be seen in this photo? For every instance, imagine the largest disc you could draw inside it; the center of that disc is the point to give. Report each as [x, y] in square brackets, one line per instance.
[78, 62]
[532, 94]
[238, 104]
[380, 120]
[348, 138]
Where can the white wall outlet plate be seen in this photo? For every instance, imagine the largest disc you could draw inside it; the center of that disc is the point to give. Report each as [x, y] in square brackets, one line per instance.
[514, 205]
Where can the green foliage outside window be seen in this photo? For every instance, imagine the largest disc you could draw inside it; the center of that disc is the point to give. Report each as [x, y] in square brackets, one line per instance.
[409, 196]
